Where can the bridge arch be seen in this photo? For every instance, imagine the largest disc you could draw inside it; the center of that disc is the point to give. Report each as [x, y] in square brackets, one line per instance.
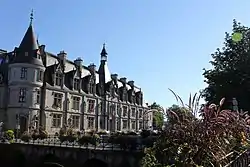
[95, 163]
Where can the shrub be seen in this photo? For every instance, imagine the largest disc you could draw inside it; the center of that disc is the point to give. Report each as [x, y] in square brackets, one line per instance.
[90, 132]
[26, 137]
[125, 141]
[9, 135]
[89, 139]
[67, 134]
[102, 132]
[43, 134]
[131, 133]
[62, 132]
[39, 134]
[188, 141]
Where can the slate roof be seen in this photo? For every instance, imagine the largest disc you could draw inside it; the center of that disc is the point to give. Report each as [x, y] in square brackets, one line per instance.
[27, 52]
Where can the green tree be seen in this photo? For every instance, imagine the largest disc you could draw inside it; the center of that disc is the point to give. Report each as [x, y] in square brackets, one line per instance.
[180, 111]
[158, 116]
[230, 75]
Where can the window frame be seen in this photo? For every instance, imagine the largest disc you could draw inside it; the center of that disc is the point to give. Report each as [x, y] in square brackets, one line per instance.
[24, 71]
[56, 120]
[76, 83]
[90, 103]
[125, 127]
[76, 103]
[75, 121]
[39, 75]
[57, 101]
[58, 79]
[124, 114]
[38, 96]
[22, 95]
[92, 122]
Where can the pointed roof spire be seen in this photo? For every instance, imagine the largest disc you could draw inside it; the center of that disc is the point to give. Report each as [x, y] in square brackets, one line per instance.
[104, 52]
[29, 42]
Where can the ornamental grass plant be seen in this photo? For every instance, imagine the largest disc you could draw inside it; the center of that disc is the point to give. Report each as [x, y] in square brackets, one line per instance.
[215, 138]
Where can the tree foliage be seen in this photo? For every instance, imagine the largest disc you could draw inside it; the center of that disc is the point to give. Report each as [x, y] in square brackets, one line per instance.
[179, 111]
[158, 117]
[230, 75]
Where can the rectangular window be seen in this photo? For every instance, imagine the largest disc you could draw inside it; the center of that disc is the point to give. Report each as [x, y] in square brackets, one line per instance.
[133, 113]
[112, 110]
[91, 107]
[22, 95]
[140, 125]
[39, 75]
[140, 113]
[75, 121]
[76, 84]
[133, 124]
[125, 111]
[23, 73]
[57, 100]
[91, 87]
[91, 122]
[38, 96]
[118, 125]
[146, 124]
[76, 103]
[124, 124]
[58, 79]
[56, 120]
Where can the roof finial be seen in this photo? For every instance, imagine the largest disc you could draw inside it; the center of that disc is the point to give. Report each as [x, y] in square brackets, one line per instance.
[104, 52]
[31, 16]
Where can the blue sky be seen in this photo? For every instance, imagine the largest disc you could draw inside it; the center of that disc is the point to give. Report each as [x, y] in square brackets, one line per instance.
[160, 44]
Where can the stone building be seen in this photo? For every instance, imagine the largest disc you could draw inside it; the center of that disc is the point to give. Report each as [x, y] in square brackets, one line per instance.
[41, 88]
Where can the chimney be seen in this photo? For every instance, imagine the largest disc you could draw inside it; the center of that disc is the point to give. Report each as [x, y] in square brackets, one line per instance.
[114, 76]
[123, 80]
[131, 83]
[62, 56]
[78, 62]
[92, 68]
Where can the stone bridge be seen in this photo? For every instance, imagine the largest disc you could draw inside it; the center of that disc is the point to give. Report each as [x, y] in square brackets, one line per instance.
[29, 155]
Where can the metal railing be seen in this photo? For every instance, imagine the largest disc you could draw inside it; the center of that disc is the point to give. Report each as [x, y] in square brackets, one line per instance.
[132, 143]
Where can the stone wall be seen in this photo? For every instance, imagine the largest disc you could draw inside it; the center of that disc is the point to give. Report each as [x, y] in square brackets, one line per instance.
[24, 155]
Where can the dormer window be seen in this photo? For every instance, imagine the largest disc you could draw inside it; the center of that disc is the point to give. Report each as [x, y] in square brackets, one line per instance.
[58, 79]
[91, 86]
[125, 95]
[76, 85]
[112, 90]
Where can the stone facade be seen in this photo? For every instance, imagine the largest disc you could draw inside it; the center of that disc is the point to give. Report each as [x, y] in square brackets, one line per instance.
[41, 88]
